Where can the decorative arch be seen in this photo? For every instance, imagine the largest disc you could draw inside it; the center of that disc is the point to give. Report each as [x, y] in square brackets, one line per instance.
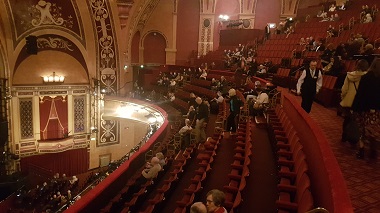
[144, 10]
[53, 42]
[154, 44]
[33, 68]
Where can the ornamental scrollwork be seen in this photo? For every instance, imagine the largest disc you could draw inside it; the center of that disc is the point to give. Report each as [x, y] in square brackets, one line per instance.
[108, 133]
[54, 43]
[100, 10]
[48, 14]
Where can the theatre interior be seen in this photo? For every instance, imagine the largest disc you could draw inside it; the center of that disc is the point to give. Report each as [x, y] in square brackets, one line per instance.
[92, 90]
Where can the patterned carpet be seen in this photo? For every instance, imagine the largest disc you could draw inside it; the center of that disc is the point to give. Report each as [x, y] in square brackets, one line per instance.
[362, 176]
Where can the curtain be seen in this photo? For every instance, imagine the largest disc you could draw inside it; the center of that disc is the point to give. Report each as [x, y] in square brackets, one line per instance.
[53, 118]
[71, 162]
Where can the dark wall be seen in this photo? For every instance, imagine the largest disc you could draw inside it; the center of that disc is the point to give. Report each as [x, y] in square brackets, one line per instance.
[225, 7]
[187, 30]
[234, 37]
[267, 11]
[154, 49]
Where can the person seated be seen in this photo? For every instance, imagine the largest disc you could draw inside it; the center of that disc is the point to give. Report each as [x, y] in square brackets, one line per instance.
[162, 162]
[146, 175]
[203, 75]
[367, 18]
[289, 31]
[214, 84]
[215, 200]
[198, 207]
[336, 17]
[302, 41]
[260, 101]
[215, 102]
[252, 94]
[171, 96]
[172, 85]
[73, 180]
[332, 8]
[342, 6]
[191, 113]
[262, 69]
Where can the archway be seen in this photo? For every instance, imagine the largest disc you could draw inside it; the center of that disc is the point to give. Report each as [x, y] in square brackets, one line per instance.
[154, 48]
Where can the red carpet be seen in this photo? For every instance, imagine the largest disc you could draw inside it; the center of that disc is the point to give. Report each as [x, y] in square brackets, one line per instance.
[362, 177]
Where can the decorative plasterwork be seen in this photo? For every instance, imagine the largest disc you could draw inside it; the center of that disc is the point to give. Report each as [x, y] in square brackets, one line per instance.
[107, 64]
[56, 43]
[289, 7]
[29, 16]
[207, 6]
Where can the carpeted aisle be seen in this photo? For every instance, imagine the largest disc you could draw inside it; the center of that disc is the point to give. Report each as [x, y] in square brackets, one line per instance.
[217, 177]
[260, 193]
[362, 177]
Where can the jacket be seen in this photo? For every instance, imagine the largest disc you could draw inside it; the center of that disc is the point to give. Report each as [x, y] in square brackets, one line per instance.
[348, 88]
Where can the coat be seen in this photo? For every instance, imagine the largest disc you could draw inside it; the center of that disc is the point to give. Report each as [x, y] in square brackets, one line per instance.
[348, 88]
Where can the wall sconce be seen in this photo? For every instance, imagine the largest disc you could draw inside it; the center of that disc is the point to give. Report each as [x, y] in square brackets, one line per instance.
[54, 78]
[224, 17]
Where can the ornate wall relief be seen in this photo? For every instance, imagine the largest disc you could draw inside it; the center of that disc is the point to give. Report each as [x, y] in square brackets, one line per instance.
[205, 43]
[57, 43]
[26, 113]
[32, 15]
[79, 114]
[107, 64]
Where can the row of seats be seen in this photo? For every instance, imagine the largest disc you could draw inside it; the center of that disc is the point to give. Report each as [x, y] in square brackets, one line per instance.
[157, 202]
[205, 159]
[122, 200]
[281, 78]
[200, 91]
[239, 167]
[294, 182]
[200, 82]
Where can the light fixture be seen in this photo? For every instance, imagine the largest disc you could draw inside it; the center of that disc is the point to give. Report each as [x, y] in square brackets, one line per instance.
[224, 17]
[53, 78]
[141, 66]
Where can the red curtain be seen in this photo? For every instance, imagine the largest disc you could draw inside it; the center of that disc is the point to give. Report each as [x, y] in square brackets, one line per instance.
[53, 127]
[71, 162]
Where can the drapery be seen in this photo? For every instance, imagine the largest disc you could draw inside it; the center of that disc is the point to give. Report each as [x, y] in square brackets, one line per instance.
[53, 118]
[71, 162]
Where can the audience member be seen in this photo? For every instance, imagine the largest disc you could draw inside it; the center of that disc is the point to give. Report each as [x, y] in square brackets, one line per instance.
[214, 201]
[233, 117]
[162, 159]
[202, 113]
[185, 132]
[198, 207]
[146, 175]
[260, 101]
[349, 88]
[332, 8]
[191, 113]
[367, 101]
[367, 18]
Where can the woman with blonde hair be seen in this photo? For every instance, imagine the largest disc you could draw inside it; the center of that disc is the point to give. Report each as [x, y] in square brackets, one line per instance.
[367, 105]
[349, 88]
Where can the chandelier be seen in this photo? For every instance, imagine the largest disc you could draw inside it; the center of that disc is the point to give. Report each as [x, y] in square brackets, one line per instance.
[54, 78]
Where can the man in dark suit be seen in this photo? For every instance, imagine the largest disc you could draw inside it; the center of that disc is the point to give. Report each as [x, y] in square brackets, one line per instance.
[267, 31]
[309, 84]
